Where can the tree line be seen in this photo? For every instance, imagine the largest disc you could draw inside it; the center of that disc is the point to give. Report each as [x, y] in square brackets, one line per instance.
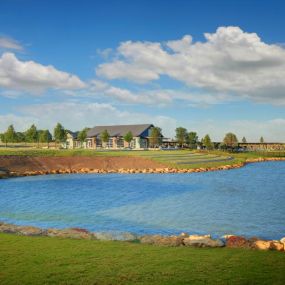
[34, 135]
[191, 140]
[184, 138]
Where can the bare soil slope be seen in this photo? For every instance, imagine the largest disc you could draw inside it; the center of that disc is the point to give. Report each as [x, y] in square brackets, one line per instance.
[21, 164]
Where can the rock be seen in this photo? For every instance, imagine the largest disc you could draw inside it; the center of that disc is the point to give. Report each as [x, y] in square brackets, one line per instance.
[277, 245]
[162, 240]
[203, 242]
[184, 235]
[73, 233]
[30, 231]
[237, 242]
[8, 228]
[115, 236]
[262, 244]
[3, 174]
[198, 237]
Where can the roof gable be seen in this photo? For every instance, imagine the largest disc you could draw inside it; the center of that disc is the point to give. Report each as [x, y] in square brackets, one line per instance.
[119, 130]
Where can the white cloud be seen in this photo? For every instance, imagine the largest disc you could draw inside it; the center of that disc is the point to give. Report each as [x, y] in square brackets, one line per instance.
[8, 43]
[155, 96]
[34, 77]
[230, 61]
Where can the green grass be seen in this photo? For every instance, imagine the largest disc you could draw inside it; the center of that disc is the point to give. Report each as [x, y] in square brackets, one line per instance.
[42, 260]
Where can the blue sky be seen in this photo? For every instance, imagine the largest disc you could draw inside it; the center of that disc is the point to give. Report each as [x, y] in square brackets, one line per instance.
[210, 66]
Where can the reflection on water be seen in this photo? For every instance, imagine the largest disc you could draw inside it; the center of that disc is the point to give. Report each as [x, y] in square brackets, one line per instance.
[248, 201]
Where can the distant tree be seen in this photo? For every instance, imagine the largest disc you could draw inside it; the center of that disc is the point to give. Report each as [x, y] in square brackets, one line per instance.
[261, 140]
[45, 136]
[243, 140]
[207, 142]
[32, 134]
[82, 135]
[155, 136]
[230, 140]
[128, 137]
[10, 135]
[192, 140]
[181, 135]
[105, 136]
[59, 133]
[20, 137]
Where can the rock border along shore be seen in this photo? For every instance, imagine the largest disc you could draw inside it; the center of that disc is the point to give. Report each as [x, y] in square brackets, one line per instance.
[184, 239]
[6, 174]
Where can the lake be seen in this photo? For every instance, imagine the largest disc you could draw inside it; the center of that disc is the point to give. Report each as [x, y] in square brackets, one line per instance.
[248, 201]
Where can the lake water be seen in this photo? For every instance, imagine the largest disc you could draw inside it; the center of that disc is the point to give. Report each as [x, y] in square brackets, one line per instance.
[248, 201]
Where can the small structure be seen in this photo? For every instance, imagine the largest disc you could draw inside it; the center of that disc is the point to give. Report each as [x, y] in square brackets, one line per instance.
[262, 146]
[140, 134]
[72, 140]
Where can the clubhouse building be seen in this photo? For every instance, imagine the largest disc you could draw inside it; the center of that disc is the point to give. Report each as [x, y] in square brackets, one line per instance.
[140, 134]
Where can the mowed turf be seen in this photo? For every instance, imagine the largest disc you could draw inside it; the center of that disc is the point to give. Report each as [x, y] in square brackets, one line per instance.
[42, 260]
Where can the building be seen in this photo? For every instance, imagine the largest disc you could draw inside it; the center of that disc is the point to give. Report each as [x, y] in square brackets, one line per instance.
[262, 146]
[140, 134]
[72, 140]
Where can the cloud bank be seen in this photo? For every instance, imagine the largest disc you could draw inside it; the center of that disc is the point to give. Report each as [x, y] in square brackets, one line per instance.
[34, 77]
[230, 61]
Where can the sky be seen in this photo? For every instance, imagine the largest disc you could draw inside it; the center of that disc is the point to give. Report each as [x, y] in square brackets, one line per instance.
[210, 66]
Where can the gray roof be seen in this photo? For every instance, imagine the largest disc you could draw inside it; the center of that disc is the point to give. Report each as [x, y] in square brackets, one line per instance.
[119, 130]
[73, 134]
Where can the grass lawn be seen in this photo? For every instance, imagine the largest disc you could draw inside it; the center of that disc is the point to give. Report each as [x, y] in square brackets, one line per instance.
[42, 260]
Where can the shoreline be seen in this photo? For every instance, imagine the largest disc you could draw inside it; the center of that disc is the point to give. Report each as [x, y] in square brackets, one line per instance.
[156, 170]
[182, 240]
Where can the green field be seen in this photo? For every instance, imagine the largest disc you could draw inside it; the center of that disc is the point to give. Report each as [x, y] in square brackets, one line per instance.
[175, 158]
[43, 260]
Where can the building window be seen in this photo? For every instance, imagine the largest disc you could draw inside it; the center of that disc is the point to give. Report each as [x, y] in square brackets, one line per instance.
[120, 142]
[110, 143]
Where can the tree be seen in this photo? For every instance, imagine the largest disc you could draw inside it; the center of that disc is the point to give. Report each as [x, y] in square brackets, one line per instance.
[155, 136]
[207, 142]
[261, 140]
[31, 134]
[128, 137]
[45, 136]
[230, 140]
[105, 136]
[192, 140]
[10, 135]
[82, 135]
[181, 135]
[59, 133]
[243, 140]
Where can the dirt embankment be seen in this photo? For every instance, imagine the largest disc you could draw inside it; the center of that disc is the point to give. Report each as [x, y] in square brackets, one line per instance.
[23, 164]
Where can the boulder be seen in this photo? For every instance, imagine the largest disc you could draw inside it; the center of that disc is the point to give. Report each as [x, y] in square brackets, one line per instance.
[3, 174]
[162, 240]
[125, 236]
[277, 245]
[8, 228]
[262, 244]
[30, 231]
[237, 242]
[203, 242]
[73, 233]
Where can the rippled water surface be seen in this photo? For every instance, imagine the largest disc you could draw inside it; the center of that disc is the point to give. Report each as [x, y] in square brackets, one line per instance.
[248, 201]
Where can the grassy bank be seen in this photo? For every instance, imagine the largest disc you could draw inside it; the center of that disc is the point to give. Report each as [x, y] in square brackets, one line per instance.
[176, 159]
[42, 260]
